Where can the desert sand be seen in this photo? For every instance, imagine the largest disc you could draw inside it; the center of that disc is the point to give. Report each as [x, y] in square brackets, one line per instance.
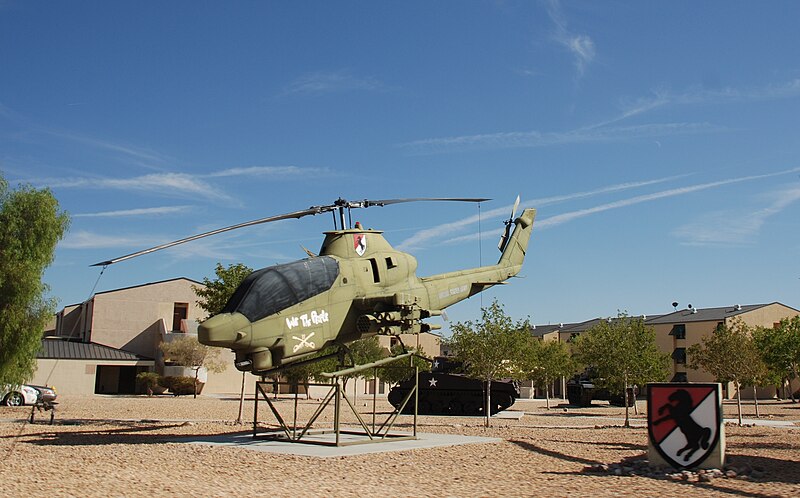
[133, 446]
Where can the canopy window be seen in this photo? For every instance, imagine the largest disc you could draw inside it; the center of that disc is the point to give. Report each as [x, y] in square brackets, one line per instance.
[270, 290]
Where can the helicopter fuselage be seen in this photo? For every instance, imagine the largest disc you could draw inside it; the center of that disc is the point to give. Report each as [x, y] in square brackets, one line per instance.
[358, 286]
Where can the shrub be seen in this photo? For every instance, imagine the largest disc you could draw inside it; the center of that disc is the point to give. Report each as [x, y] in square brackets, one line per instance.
[179, 385]
[148, 382]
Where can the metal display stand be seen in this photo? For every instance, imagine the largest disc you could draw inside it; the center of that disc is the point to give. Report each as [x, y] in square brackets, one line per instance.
[364, 434]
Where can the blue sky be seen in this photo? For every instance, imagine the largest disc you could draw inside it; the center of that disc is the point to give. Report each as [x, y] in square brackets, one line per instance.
[658, 140]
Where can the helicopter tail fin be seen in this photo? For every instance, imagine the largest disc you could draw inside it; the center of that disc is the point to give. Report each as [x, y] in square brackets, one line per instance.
[517, 245]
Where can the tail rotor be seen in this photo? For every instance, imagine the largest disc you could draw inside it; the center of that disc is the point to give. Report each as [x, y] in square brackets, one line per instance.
[510, 221]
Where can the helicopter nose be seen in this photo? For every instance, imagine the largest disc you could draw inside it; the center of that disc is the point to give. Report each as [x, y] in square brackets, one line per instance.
[225, 330]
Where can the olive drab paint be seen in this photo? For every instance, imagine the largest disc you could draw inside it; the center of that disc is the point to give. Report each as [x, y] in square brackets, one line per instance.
[357, 286]
[376, 291]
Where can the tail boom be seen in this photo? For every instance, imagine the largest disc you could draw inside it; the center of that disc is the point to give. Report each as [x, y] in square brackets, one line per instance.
[449, 288]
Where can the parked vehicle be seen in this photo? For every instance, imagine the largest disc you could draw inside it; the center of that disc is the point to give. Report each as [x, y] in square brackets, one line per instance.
[445, 392]
[581, 390]
[19, 395]
[47, 394]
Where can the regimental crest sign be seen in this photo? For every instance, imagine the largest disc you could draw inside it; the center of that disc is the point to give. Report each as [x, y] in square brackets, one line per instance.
[684, 422]
[360, 243]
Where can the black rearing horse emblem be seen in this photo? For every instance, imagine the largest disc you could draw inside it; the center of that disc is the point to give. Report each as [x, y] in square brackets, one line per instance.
[679, 409]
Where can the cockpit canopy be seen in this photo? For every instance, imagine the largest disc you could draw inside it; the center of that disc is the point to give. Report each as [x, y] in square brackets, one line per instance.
[270, 290]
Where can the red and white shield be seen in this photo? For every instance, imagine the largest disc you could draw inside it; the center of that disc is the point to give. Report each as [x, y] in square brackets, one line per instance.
[684, 421]
[360, 243]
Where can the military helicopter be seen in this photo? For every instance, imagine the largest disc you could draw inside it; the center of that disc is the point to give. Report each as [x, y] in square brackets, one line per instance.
[357, 286]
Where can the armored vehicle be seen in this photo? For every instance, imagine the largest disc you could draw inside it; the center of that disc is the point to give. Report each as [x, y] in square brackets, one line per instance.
[444, 392]
[581, 390]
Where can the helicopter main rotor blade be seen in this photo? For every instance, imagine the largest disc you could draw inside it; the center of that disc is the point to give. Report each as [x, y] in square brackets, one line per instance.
[339, 204]
[386, 202]
[297, 214]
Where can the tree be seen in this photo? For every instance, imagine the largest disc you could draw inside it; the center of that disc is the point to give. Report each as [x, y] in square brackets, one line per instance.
[730, 355]
[365, 351]
[31, 224]
[780, 350]
[303, 373]
[360, 352]
[545, 362]
[395, 375]
[216, 293]
[188, 352]
[490, 349]
[623, 353]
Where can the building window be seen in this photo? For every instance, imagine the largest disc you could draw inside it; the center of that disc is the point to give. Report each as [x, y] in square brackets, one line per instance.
[179, 312]
[678, 331]
[679, 355]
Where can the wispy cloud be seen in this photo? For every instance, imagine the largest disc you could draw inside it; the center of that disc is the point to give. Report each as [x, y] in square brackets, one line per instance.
[31, 131]
[268, 171]
[140, 155]
[180, 184]
[567, 217]
[232, 246]
[322, 82]
[579, 45]
[604, 131]
[173, 184]
[560, 219]
[136, 212]
[735, 227]
[594, 133]
[84, 239]
[439, 232]
[698, 96]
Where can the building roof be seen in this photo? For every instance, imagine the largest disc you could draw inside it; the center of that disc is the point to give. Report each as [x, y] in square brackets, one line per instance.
[573, 328]
[582, 326]
[151, 283]
[705, 314]
[542, 330]
[59, 349]
[110, 291]
[717, 314]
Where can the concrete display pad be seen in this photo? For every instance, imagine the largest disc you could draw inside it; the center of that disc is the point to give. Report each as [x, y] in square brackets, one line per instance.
[245, 440]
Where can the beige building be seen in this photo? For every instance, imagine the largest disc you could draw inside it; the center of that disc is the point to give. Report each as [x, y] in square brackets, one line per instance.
[100, 345]
[86, 368]
[677, 331]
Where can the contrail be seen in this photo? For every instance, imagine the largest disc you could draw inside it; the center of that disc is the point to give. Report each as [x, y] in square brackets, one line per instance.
[438, 232]
[566, 217]
[573, 215]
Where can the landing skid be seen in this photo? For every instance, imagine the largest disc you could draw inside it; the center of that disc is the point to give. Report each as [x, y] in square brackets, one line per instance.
[363, 434]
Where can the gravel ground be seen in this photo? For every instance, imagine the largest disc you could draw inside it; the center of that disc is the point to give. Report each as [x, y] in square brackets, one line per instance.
[126, 446]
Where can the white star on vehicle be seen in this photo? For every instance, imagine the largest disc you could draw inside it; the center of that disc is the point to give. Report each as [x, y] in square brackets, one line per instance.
[432, 382]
